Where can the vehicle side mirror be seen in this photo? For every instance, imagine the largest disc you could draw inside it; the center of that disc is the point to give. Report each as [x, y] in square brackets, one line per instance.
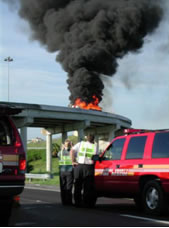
[96, 157]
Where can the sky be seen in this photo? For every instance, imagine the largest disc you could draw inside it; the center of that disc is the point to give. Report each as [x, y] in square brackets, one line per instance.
[139, 90]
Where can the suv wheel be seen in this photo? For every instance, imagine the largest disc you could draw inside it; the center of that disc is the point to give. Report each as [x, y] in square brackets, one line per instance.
[154, 200]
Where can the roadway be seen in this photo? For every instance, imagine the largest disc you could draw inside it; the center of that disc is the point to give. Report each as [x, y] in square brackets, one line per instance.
[42, 207]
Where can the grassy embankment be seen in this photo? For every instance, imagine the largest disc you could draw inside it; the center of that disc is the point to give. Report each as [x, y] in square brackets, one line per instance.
[37, 161]
[39, 166]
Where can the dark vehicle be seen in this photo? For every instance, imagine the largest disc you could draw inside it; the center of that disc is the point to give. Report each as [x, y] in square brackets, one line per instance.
[12, 161]
[136, 165]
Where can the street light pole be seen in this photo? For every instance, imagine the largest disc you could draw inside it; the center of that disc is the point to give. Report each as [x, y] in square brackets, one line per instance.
[8, 59]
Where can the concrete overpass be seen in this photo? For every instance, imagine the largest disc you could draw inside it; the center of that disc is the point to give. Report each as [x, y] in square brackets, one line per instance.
[55, 120]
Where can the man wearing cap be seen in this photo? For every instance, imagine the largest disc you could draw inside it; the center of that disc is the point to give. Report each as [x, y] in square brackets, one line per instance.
[81, 155]
[66, 173]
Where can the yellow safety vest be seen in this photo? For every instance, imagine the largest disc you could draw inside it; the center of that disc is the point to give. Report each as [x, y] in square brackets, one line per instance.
[65, 158]
[86, 152]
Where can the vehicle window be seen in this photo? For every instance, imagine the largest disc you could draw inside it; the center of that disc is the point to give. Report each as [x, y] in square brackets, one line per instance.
[136, 147]
[115, 150]
[5, 132]
[161, 145]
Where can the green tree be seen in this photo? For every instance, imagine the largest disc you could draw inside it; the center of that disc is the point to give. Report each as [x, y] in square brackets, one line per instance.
[55, 149]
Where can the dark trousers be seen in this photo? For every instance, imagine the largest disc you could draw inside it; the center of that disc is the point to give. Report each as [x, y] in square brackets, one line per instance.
[84, 191]
[66, 184]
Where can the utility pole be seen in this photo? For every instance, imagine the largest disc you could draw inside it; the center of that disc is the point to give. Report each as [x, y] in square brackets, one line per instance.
[8, 59]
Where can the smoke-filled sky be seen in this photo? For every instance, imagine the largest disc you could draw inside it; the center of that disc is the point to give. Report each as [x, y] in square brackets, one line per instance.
[92, 36]
[140, 83]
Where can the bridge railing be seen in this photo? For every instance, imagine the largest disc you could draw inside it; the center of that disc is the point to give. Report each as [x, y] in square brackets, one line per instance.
[45, 176]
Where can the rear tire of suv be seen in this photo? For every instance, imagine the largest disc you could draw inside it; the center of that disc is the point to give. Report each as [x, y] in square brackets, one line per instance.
[154, 199]
[5, 211]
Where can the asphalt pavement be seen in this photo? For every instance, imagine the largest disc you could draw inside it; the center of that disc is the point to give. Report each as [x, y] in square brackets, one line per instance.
[41, 207]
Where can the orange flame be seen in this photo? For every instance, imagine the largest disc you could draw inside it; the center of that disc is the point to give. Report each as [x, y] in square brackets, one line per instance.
[93, 105]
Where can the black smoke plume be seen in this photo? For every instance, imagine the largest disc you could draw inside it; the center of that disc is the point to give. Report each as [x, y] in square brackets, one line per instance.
[90, 36]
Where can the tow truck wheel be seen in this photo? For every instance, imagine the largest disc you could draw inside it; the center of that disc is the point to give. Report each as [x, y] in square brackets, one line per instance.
[154, 199]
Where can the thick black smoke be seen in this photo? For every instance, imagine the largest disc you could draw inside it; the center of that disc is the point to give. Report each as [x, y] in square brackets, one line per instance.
[90, 36]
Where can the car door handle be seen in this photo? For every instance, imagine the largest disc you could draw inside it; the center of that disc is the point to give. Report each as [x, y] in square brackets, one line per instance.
[117, 166]
[140, 165]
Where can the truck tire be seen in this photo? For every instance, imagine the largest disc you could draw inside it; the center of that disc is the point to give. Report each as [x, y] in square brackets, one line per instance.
[154, 198]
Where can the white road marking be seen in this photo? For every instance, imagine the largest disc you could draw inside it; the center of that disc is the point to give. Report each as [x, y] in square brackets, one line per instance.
[29, 208]
[25, 199]
[147, 219]
[35, 200]
[25, 224]
[42, 189]
[48, 206]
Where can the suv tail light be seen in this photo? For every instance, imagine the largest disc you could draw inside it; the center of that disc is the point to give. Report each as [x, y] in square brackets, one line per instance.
[22, 164]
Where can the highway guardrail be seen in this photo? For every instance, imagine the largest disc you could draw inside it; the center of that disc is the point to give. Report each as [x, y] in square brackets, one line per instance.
[44, 176]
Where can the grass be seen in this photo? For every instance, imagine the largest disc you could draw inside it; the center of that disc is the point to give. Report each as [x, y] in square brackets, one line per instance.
[37, 144]
[39, 166]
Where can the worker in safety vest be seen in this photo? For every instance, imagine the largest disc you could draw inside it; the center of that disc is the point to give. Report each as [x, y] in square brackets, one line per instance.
[81, 155]
[66, 173]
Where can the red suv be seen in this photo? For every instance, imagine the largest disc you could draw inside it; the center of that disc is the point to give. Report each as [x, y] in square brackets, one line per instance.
[136, 165]
[12, 158]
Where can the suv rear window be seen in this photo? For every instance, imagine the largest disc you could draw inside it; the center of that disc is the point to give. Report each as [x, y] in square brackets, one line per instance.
[114, 151]
[5, 132]
[136, 147]
[161, 145]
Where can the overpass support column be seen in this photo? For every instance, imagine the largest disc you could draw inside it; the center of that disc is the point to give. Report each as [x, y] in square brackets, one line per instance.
[111, 135]
[49, 152]
[80, 135]
[97, 143]
[24, 138]
[64, 137]
[113, 131]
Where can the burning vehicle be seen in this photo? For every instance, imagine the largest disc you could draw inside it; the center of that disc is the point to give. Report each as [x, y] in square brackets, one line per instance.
[83, 105]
